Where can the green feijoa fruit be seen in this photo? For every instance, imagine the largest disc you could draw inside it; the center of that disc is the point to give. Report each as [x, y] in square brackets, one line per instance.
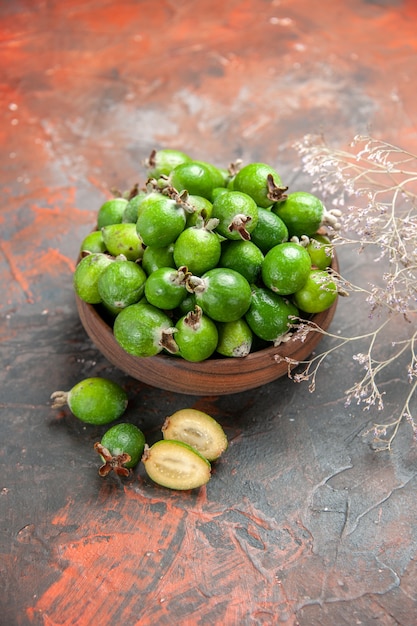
[86, 275]
[198, 248]
[317, 294]
[93, 242]
[130, 214]
[286, 268]
[261, 182]
[121, 284]
[123, 239]
[143, 330]
[197, 429]
[269, 315]
[320, 250]
[194, 177]
[302, 213]
[196, 336]
[111, 212]
[218, 175]
[237, 214]
[120, 448]
[218, 191]
[202, 210]
[162, 162]
[154, 258]
[176, 465]
[243, 257]
[187, 304]
[235, 338]
[223, 294]
[270, 230]
[165, 287]
[160, 222]
[93, 400]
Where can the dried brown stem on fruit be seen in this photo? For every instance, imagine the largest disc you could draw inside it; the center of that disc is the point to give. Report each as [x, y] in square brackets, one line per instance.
[167, 340]
[112, 463]
[275, 192]
[59, 399]
[239, 225]
[193, 318]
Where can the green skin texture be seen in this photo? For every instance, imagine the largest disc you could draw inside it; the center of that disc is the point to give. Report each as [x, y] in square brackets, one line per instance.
[166, 160]
[154, 258]
[196, 177]
[227, 206]
[121, 284]
[243, 257]
[111, 212]
[302, 213]
[93, 242]
[270, 230]
[160, 222]
[138, 329]
[286, 268]
[198, 249]
[226, 296]
[123, 239]
[317, 294]
[97, 400]
[268, 314]
[196, 342]
[86, 276]
[252, 180]
[125, 438]
[320, 251]
[162, 289]
[235, 338]
[130, 214]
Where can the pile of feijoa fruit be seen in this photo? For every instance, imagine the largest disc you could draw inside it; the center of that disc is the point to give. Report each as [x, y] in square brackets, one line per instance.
[207, 262]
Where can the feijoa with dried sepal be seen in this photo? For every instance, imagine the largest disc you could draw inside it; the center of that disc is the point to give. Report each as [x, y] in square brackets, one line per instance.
[144, 330]
[161, 162]
[93, 400]
[120, 448]
[197, 429]
[196, 336]
[176, 465]
[260, 181]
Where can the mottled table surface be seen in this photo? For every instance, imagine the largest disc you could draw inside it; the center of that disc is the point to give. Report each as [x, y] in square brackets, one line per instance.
[302, 522]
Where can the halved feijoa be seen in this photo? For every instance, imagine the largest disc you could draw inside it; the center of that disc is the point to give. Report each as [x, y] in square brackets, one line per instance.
[197, 429]
[176, 465]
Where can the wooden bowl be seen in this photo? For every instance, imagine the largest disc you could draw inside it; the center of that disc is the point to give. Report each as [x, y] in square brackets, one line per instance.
[213, 377]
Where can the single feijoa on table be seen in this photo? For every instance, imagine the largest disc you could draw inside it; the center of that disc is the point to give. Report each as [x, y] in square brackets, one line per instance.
[176, 465]
[93, 400]
[120, 448]
[197, 429]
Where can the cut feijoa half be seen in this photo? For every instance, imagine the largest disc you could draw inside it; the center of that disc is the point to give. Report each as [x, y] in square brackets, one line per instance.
[176, 465]
[197, 429]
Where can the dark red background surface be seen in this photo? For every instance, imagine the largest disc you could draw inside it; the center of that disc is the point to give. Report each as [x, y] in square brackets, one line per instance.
[302, 523]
